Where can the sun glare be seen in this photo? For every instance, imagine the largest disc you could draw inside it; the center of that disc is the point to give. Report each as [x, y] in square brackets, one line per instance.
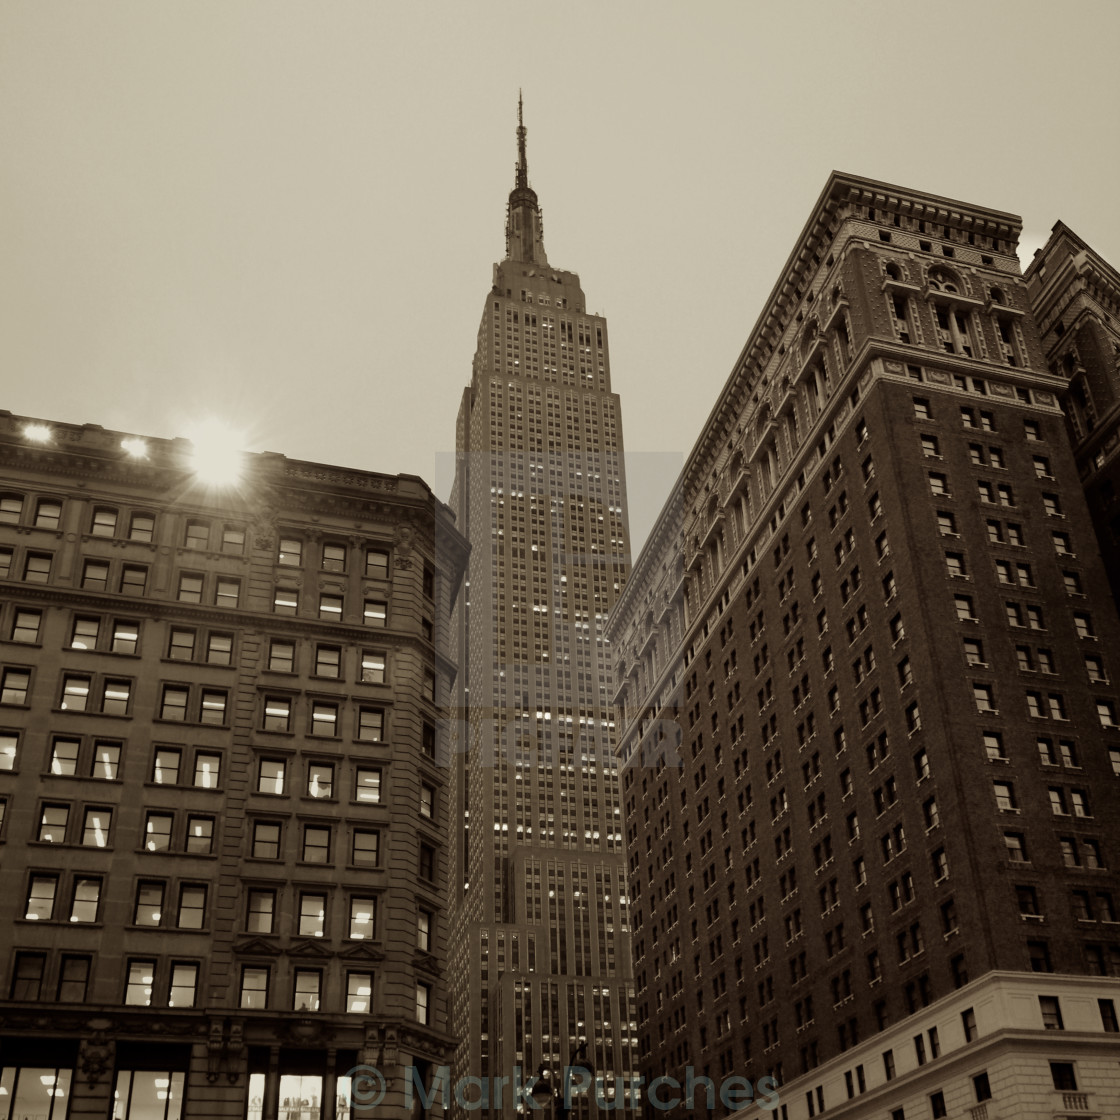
[217, 458]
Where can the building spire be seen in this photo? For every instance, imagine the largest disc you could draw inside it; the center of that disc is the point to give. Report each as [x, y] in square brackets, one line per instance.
[524, 234]
[522, 162]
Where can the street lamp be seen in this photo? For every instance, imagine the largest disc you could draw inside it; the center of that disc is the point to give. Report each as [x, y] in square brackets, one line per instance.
[543, 1092]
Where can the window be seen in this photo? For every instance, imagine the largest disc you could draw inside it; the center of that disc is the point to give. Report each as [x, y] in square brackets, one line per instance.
[1106, 713]
[149, 904]
[48, 513]
[921, 409]
[138, 987]
[367, 786]
[324, 719]
[181, 990]
[157, 831]
[104, 523]
[213, 709]
[964, 607]
[1005, 796]
[260, 911]
[993, 746]
[286, 601]
[334, 557]
[281, 659]
[330, 607]
[125, 636]
[64, 756]
[227, 593]
[37, 567]
[1051, 1013]
[75, 693]
[427, 863]
[291, 552]
[366, 847]
[114, 697]
[95, 576]
[254, 986]
[95, 828]
[316, 844]
[424, 924]
[165, 770]
[266, 840]
[197, 535]
[11, 508]
[974, 652]
[373, 667]
[423, 1002]
[363, 913]
[181, 644]
[328, 661]
[233, 540]
[1108, 1015]
[984, 697]
[938, 484]
[141, 527]
[377, 564]
[359, 992]
[305, 989]
[954, 561]
[25, 626]
[207, 770]
[52, 824]
[320, 779]
[73, 979]
[84, 901]
[312, 914]
[427, 800]
[270, 776]
[277, 713]
[200, 835]
[370, 724]
[14, 686]
[190, 587]
[375, 613]
[219, 649]
[27, 977]
[946, 524]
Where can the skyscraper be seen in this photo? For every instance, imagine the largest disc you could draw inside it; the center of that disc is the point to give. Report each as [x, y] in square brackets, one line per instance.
[1075, 295]
[868, 673]
[223, 876]
[541, 960]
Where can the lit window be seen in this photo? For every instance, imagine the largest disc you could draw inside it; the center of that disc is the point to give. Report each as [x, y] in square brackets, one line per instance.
[277, 713]
[270, 776]
[427, 800]
[373, 667]
[157, 832]
[330, 608]
[1005, 795]
[200, 835]
[149, 904]
[375, 613]
[367, 786]
[305, 990]
[359, 990]
[320, 779]
[227, 592]
[286, 601]
[312, 914]
[126, 636]
[75, 693]
[213, 708]
[233, 540]
[95, 828]
[64, 756]
[207, 770]
[106, 761]
[83, 904]
[138, 990]
[114, 698]
[363, 912]
[181, 993]
[324, 719]
[423, 1002]
[52, 824]
[11, 508]
[291, 552]
[40, 898]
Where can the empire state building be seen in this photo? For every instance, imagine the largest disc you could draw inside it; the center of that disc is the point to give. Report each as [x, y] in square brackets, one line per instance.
[541, 957]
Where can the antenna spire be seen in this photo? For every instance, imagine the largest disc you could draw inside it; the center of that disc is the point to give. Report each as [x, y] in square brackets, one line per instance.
[522, 162]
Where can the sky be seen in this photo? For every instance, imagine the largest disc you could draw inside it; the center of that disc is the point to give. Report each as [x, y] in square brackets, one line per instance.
[285, 214]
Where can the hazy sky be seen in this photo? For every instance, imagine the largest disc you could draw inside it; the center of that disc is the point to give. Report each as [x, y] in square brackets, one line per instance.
[286, 213]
